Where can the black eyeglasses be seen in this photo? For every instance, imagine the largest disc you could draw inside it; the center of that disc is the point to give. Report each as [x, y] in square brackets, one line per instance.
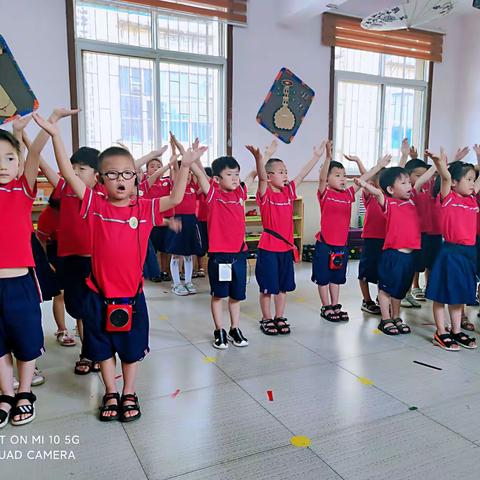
[113, 175]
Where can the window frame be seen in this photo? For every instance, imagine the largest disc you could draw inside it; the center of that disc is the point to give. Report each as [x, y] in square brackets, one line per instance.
[77, 47]
[384, 82]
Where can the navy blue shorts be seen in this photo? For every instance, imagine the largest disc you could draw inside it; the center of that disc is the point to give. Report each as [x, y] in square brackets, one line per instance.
[322, 274]
[75, 271]
[433, 244]
[20, 318]
[236, 288]
[99, 345]
[158, 238]
[187, 241]
[369, 260]
[274, 272]
[453, 278]
[202, 228]
[395, 272]
[47, 278]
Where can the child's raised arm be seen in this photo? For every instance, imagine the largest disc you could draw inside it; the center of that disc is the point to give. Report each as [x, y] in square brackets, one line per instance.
[405, 151]
[360, 165]
[202, 178]
[18, 128]
[322, 179]
[461, 153]
[52, 176]
[250, 178]
[160, 171]
[423, 179]
[371, 189]
[150, 156]
[307, 168]
[445, 177]
[189, 157]
[260, 164]
[382, 163]
[33, 159]
[66, 169]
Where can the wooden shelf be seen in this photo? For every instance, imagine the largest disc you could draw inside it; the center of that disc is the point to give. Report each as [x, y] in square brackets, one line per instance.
[254, 222]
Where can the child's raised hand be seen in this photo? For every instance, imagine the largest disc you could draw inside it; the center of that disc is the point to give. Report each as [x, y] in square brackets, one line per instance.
[430, 154]
[385, 160]
[405, 148]
[196, 143]
[271, 149]
[20, 123]
[191, 156]
[320, 150]
[461, 153]
[62, 112]
[50, 127]
[443, 157]
[180, 147]
[329, 148]
[352, 158]
[476, 149]
[413, 152]
[360, 183]
[159, 152]
[254, 151]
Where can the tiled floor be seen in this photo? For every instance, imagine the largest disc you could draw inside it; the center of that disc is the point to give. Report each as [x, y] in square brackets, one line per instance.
[350, 390]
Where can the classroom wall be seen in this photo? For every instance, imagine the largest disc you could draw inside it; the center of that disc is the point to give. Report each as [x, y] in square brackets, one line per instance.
[36, 33]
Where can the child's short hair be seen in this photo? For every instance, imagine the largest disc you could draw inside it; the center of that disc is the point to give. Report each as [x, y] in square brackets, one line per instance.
[113, 152]
[458, 170]
[221, 163]
[86, 156]
[208, 171]
[415, 163]
[335, 164]
[389, 176]
[8, 137]
[270, 163]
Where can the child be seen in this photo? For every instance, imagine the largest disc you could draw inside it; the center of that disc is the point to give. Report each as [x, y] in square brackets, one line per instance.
[74, 248]
[402, 237]
[120, 224]
[227, 263]
[21, 332]
[274, 268]
[453, 277]
[202, 215]
[331, 253]
[47, 232]
[373, 235]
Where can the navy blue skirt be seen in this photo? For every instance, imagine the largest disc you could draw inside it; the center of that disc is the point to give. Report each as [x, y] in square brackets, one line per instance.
[188, 240]
[453, 277]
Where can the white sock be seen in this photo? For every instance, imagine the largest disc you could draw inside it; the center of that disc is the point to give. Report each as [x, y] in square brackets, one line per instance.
[188, 265]
[175, 270]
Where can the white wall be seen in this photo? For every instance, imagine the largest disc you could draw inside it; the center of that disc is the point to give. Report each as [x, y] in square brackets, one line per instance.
[37, 35]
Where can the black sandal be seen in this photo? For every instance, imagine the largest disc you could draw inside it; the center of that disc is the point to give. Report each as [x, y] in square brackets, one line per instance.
[109, 408]
[130, 397]
[23, 409]
[83, 362]
[343, 315]
[332, 316]
[463, 340]
[283, 327]
[402, 327]
[4, 415]
[387, 327]
[446, 342]
[268, 327]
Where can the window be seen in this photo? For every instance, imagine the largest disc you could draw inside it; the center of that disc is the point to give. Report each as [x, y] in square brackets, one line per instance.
[144, 72]
[379, 100]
